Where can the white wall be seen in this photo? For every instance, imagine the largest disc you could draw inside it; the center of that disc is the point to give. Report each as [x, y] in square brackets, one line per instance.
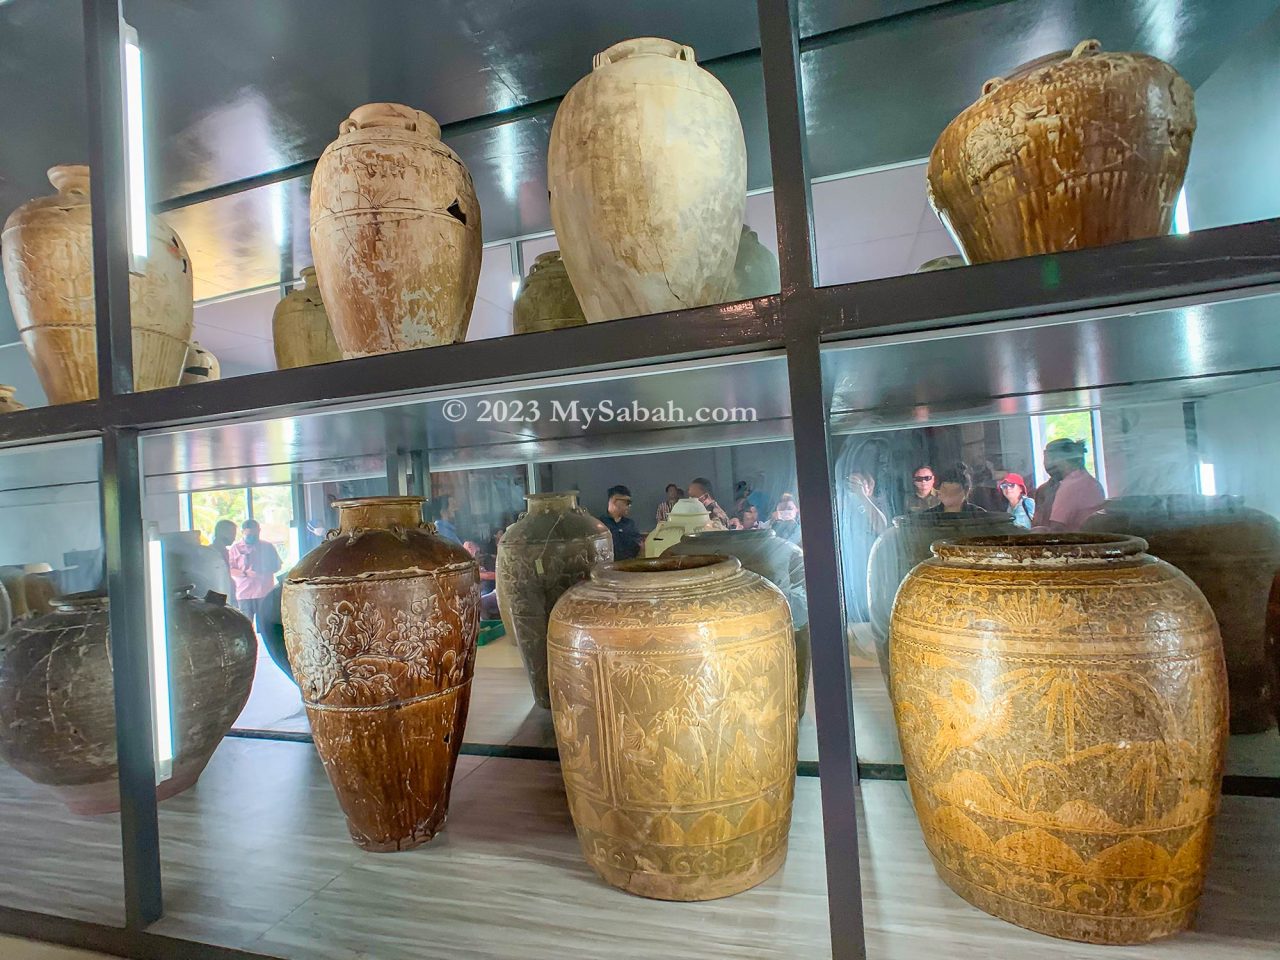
[1145, 449]
[648, 475]
[1239, 436]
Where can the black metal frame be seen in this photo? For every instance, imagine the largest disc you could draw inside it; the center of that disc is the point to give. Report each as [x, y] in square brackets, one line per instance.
[799, 319]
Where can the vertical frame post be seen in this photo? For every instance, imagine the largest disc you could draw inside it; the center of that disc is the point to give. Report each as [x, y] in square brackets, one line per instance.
[121, 473]
[104, 68]
[131, 674]
[833, 703]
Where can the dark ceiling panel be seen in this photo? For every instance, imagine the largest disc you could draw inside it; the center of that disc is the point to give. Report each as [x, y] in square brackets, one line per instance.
[240, 87]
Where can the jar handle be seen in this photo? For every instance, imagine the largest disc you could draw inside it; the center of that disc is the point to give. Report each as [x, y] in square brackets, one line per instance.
[1085, 48]
[644, 45]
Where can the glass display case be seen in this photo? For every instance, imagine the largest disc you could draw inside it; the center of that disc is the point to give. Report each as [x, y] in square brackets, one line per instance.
[942, 603]
[485, 457]
[59, 793]
[931, 83]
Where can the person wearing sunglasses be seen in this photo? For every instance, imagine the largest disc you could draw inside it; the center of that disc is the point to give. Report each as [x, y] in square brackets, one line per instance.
[924, 494]
[1021, 507]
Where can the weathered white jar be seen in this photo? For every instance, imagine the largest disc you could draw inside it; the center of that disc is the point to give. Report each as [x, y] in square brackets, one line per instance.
[647, 171]
[201, 365]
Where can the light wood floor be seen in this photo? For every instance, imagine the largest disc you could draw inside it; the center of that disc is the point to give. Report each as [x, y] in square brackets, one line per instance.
[256, 857]
[13, 949]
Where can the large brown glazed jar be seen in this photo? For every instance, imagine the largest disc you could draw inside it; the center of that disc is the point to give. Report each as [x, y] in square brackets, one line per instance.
[47, 249]
[546, 300]
[1273, 640]
[540, 556]
[647, 170]
[395, 232]
[674, 700]
[300, 327]
[780, 562]
[1062, 706]
[380, 623]
[1232, 553]
[1072, 150]
[57, 713]
[904, 544]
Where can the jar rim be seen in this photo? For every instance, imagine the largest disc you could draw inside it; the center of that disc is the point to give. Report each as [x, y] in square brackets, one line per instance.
[644, 574]
[1041, 549]
[379, 502]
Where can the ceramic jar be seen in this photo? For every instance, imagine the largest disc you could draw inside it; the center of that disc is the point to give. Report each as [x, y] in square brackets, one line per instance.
[780, 562]
[540, 556]
[8, 403]
[1273, 640]
[1072, 150]
[755, 271]
[47, 249]
[395, 232]
[902, 545]
[647, 170]
[674, 699]
[201, 365]
[1062, 707]
[380, 624]
[1232, 553]
[300, 327]
[546, 300]
[687, 516]
[57, 708]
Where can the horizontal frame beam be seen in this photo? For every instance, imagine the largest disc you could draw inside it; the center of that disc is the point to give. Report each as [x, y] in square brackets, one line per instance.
[1219, 260]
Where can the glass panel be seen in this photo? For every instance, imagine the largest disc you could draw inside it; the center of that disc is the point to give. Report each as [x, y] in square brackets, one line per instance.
[207, 126]
[59, 799]
[46, 287]
[1044, 423]
[1032, 698]
[479, 454]
[868, 153]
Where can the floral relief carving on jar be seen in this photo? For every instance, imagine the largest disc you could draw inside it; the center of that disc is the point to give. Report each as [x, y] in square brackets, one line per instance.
[673, 694]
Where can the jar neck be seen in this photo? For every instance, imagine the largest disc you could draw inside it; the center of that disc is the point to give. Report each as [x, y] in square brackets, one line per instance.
[552, 502]
[369, 513]
[657, 573]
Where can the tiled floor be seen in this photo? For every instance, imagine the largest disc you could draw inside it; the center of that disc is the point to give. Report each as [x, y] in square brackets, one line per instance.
[256, 857]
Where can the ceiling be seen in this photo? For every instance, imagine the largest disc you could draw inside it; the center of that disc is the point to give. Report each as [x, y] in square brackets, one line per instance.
[538, 421]
[1183, 352]
[241, 87]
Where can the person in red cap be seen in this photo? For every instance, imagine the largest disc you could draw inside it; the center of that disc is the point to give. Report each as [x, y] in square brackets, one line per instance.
[1021, 507]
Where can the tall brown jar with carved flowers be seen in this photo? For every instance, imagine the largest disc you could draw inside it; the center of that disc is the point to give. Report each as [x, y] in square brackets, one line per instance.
[1062, 707]
[540, 556]
[673, 691]
[380, 622]
[1077, 149]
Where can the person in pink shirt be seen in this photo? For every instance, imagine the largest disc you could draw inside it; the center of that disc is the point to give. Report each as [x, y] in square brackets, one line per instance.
[254, 564]
[1075, 493]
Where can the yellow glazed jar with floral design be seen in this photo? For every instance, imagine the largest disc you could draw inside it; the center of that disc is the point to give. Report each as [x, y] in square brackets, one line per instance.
[1062, 706]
